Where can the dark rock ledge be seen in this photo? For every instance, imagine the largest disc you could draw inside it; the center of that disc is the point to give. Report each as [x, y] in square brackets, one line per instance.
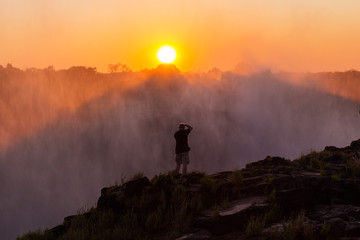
[314, 197]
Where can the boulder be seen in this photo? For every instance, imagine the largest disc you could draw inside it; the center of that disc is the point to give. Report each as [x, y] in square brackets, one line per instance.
[353, 229]
[337, 228]
[136, 186]
[234, 217]
[110, 200]
[58, 230]
[355, 145]
[295, 198]
[332, 149]
[269, 162]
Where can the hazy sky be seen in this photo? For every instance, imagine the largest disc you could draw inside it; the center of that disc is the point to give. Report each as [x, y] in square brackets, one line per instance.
[294, 35]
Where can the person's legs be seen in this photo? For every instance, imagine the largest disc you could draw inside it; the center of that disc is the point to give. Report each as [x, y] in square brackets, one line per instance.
[185, 162]
[184, 169]
[177, 169]
[178, 162]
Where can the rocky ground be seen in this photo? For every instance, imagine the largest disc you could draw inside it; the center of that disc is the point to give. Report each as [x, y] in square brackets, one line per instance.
[314, 197]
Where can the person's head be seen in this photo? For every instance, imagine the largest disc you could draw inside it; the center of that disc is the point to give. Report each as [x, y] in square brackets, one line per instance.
[182, 126]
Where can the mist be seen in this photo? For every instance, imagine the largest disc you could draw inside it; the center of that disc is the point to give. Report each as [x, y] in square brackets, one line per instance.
[65, 134]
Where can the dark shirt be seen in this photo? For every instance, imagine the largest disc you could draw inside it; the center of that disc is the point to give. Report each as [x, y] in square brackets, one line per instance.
[181, 138]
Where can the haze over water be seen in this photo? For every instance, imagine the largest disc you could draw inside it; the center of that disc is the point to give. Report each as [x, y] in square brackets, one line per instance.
[66, 134]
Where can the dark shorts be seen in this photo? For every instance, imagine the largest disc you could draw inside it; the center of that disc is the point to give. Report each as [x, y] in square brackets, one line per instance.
[182, 158]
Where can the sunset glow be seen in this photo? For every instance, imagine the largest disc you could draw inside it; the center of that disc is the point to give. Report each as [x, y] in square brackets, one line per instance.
[282, 35]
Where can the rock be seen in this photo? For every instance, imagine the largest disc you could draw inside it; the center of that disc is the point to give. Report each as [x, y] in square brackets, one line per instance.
[58, 230]
[348, 213]
[353, 229]
[338, 211]
[355, 145]
[199, 235]
[110, 197]
[225, 188]
[259, 189]
[193, 178]
[68, 220]
[194, 188]
[109, 190]
[278, 227]
[284, 182]
[296, 198]
[354, 213]
[352, 192]
[279, 161]
[333, 169]
[349, 238]
[253, 181]
[136, 186]
[112, 200]
[332, 149]
[234, 217]
[221, 175]
[337, 228]
[269, 162]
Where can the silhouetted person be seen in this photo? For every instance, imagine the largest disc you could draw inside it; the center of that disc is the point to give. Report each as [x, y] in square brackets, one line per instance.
[182, 147]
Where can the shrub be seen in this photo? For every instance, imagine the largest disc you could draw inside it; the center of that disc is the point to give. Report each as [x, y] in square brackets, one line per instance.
[236, 177]
[255, 227]
[319, 160]
[155, 221]
[272, 196]
[158, 178]
[325, 230]
[178, 195]
[209, 183]
[311, 160]
[128, 227]
[335, 177]
[353, 167]
[296, 228]
[196, 204]
[83, 210]
[272, 216]
[269, 179]
[137, 176]
[36, 235]
[182, 217]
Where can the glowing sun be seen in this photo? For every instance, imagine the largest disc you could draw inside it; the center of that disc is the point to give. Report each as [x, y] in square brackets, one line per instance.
[166, 54]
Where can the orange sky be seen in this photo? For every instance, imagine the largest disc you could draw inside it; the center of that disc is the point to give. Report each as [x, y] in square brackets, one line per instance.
[280, 34]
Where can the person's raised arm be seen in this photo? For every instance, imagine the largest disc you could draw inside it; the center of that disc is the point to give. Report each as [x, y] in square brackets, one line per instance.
[189, 127]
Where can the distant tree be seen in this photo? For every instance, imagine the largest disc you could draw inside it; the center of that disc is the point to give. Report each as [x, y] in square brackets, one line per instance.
[11, 69]
[9, 66]
[82, 70]
[118, 67]
[50, 68]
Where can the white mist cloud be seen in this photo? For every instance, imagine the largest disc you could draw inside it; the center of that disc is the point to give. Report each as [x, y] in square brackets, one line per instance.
[96, 128]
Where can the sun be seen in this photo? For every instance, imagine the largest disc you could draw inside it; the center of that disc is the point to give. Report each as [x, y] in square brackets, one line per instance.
[166, 54]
